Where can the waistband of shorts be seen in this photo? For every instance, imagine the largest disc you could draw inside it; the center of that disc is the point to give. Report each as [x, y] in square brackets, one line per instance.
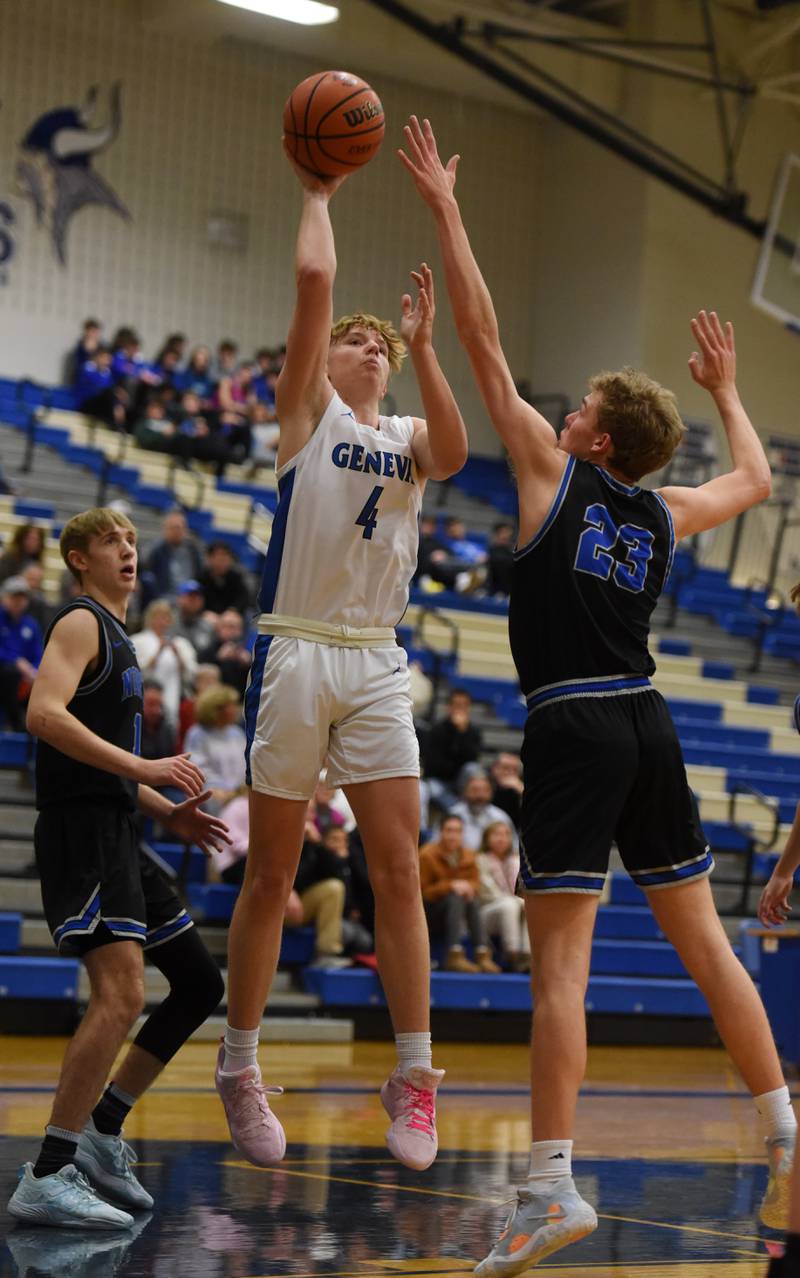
[272, 623]
[570, 689]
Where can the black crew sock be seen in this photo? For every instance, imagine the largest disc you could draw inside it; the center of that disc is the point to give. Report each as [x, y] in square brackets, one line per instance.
[55, 1153]
[110, 1112]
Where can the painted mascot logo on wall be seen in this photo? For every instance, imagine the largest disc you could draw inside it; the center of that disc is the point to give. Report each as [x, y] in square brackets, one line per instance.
[55, 170]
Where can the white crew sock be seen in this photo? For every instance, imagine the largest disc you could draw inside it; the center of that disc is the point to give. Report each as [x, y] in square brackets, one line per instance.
[551, 1162]
[776, 1113]
[241, 1047]
[413, 1049]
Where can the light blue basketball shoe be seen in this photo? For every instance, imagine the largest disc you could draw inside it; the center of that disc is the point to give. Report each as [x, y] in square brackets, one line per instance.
[539, 1224]
[108, 1162]
[65, 1199]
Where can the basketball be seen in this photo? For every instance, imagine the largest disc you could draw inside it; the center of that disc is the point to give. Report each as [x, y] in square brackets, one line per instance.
[333, 123]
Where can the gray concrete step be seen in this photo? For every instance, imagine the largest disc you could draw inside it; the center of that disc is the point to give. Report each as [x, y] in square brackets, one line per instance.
[21, 895]
[17, 819]
[15, 855]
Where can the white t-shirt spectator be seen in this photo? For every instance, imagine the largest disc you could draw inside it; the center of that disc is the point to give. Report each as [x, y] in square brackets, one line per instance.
[172, 661]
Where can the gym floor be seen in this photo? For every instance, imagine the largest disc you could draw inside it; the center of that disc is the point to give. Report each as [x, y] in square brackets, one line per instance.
[668, 1151]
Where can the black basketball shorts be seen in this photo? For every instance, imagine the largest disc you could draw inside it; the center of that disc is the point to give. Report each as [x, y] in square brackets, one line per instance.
[97, 886]
[603, 769]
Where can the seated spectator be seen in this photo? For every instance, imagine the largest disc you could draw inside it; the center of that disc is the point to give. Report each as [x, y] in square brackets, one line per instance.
[85, 348]
[451, 743]
[196, 377]
[223, 581]
[206, 676]
[233, 401]
[476, 810]
[318, 897]
[172, 661]
[265, 375]
[265, 436]
[224, 364]
[217, 744]
[462, 547]
[507, 788]
[158, 734]
[25, 547]
[154, 430]
[228, 651]
[502, 910]
[433, 559]
[198, 435]
[39, 608]
[330, 807]
[97, 393]
[20, 651]
[131, 371]
[175, 558]
[169, 359]
[356, 938]
[501, 559]
[191, 622]
[450, 880]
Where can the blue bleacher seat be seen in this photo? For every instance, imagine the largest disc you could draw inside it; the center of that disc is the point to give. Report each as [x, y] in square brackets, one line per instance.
[24, 977]
[10, 932]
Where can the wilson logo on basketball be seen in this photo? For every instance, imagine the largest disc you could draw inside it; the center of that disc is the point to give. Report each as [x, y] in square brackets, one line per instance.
[362, 114]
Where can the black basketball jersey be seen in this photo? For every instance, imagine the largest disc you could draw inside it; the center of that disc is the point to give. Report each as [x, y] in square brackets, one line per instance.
[584, 587]
[108, 701]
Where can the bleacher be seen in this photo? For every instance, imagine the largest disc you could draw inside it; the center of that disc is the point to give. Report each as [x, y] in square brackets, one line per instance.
[736, 733]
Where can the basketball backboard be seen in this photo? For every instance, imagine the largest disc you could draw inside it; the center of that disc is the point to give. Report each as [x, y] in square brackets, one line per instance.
[776, 288]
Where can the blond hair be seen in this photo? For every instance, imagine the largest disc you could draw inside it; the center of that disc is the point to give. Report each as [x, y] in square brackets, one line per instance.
[78, 532]
[158, 605]
[212, 701]
[396, 347]
[642, 419]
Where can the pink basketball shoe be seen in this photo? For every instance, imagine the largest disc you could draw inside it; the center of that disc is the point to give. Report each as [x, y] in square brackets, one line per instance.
[255, 1131]
[410, 1101]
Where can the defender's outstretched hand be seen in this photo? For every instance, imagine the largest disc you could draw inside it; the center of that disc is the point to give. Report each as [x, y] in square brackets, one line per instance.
[313, 181]
[193, 825]
[434, 181]
[714, 367]
[416, 326]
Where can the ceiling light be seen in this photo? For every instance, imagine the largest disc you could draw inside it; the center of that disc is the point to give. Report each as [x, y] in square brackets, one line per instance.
[307, 12]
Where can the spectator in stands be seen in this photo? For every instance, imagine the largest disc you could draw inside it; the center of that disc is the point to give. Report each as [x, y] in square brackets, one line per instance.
[206, 676]
[477, 810]
[233, 400]
[217, 743]
[196, 376]
[158, 734]
[199, 436]
[172, 661]
[130, 370]
[167, 366]
[39, 607]
[330, 807]
[451, 743]
[20, 651]
[228, 651]
[224, 364]
[265, 375]
[223, 581]
[265, 433]
[154, 430]
[172, 354]
[191, 622]
[356, 938]
[501, 559]
[85, 348]
[461, 546]
[507, 787]
[450, 881]
[502, 910]
[433, 560]
[174, 559]
[25, 547]
[318, 898]
[97, 392]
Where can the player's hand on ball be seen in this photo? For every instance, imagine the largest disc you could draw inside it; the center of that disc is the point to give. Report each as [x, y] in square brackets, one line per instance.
[433, 180]
[774, 907]
[178, 771]
[714, 365]
[314, 182]
[193, 825]
[416, 326]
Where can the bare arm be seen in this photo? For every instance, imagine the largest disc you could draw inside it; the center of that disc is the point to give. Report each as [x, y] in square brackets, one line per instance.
[440, 442]
[73, 647]
[528, 436]
[303, 390]
[749, 482]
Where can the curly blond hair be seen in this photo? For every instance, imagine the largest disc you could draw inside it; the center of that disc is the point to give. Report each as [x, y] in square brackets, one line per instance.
[642, 419]
[359, 319]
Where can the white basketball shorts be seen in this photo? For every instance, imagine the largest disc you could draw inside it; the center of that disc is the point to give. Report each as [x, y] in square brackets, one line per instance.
[305, 701]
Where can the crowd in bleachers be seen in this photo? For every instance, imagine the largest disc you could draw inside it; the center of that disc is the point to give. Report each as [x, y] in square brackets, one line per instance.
[194, 406]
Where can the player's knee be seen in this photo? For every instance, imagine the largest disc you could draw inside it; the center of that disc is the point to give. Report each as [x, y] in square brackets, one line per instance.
[128, 1002]
[397, 882]
[266, 884]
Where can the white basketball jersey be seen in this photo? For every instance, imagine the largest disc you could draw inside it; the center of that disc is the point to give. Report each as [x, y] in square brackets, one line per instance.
[343, 547]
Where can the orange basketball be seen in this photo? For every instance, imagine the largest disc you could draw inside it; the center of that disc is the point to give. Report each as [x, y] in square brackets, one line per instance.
[333, 123]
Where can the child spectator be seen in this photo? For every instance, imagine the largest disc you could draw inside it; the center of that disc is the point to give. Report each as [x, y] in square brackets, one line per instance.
[502, 911]
[84, 349]
[97, 393]
[450, 881]
[20, 651]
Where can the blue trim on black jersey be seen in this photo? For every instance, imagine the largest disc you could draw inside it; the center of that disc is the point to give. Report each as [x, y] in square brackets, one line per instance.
[601, 687]
[272, 565]
[83, 923]
[671, 527]
[167, 931]
[252, 696]
[592, 885]
[552, 514]
[630, 489]
[695, 869]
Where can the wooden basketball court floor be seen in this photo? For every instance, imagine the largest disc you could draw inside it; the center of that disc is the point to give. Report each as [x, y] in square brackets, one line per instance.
[668, 1151]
